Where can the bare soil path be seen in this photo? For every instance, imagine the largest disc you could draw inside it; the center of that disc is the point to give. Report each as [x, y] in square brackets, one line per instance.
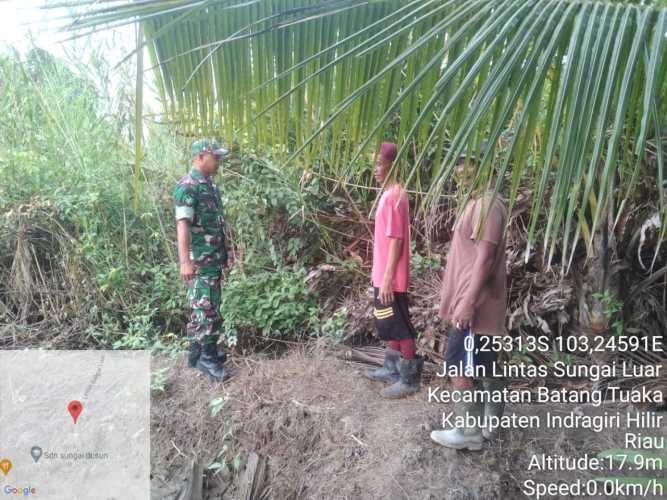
[325, 433]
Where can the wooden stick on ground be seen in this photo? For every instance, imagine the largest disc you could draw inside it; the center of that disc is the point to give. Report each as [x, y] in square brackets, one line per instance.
[373, 355]
[193, 488]
[252, 484]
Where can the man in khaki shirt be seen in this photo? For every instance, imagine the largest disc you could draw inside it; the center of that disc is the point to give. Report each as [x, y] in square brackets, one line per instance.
[473, 301]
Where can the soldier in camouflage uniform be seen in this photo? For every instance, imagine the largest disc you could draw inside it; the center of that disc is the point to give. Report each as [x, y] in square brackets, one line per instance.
[202, 254]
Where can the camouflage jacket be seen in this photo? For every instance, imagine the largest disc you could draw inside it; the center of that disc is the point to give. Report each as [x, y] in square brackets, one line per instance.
[197, 199]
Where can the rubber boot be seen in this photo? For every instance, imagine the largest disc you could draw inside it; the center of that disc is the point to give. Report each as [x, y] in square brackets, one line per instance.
[208, 363]
[222, 356]
[491, 409]
[389, 370]
[409, 379]
[468, 437]
[195, 352]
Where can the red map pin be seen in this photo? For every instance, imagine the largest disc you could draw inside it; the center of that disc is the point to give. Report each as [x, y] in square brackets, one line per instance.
[75, 408]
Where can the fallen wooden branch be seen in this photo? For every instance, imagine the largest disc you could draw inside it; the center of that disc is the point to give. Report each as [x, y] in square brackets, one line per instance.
[194, 486]
[252, 485]
[374, 356]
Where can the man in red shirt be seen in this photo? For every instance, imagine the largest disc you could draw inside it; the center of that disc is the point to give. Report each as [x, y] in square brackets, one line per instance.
[391, 271]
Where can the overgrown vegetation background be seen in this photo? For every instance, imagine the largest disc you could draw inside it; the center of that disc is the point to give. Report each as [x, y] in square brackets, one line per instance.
[81, 267]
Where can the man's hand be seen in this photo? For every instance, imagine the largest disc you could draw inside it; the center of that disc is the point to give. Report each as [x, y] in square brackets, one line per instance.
[187, 270]
[386, 293]
[462, 316]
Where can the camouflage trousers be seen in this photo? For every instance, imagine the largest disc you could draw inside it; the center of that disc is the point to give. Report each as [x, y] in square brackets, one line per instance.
[204, 298]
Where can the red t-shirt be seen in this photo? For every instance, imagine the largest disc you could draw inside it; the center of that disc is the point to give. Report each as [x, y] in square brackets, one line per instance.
[392, 220]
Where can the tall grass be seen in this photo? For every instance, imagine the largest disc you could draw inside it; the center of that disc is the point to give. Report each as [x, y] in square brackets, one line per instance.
[74, 250]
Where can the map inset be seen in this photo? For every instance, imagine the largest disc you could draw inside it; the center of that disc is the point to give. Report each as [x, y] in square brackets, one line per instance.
[75, 425]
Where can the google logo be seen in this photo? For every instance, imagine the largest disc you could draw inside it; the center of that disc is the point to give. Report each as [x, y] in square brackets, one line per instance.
[26, 491]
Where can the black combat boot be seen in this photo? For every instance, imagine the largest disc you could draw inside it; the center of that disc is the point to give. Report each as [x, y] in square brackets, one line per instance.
[389, 370]
[222, 356]
[208, 363]
[194, 353]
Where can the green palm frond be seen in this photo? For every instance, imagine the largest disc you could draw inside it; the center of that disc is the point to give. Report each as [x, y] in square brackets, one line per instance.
[568, 92]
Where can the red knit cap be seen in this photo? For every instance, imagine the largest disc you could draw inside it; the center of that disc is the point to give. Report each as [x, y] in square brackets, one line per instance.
[388, 151]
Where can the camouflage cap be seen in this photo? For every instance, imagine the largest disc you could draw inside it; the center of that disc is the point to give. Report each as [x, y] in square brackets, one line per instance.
[208, 146]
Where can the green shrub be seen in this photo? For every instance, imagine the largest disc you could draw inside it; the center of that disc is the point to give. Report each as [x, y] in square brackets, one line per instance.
[422, 263]
[271, 210]
[273, 302]
[270, 215]
[335, 327]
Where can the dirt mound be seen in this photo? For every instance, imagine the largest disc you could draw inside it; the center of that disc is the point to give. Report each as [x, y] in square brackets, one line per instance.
[325, 433]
